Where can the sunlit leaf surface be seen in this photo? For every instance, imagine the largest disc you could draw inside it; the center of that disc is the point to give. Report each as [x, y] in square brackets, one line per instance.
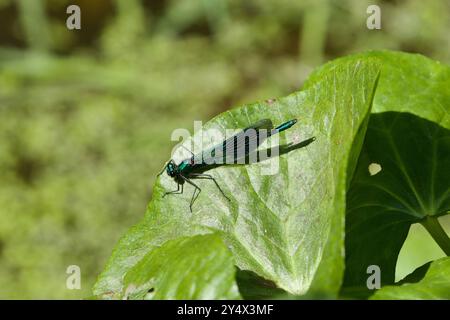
[287, 227]
[408, 137]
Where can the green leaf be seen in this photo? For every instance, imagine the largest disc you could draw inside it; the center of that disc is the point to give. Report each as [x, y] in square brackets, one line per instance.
[199, 267]
[287, 227]
[413, 183]
[435, 284]
[408, 138]
[408, 83]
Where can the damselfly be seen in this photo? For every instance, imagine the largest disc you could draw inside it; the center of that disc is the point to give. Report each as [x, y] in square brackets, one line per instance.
[232, 150]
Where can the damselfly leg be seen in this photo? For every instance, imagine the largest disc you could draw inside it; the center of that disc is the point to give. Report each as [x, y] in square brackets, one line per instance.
[195, 194]
[208, 177]
[178, 191]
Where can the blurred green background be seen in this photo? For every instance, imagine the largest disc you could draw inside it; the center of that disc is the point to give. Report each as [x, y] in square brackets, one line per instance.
[86, 115]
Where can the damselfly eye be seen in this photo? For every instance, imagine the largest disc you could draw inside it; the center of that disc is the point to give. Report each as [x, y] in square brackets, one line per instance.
[170, 169]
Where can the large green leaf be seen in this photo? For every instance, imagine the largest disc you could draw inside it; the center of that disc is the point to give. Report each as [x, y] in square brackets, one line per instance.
[414, 155]
[199, 267]
[408, 136]
[287, 227]
[408, 83]
[434, 283]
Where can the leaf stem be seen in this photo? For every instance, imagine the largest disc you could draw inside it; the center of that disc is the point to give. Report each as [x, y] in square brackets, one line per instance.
[435, 229]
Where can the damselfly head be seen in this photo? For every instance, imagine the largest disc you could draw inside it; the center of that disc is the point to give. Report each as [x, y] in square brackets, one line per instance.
[172, 168]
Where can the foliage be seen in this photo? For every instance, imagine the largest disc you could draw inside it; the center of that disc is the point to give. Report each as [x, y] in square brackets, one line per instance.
[289, 228]
[434, 284]
[204, 260]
